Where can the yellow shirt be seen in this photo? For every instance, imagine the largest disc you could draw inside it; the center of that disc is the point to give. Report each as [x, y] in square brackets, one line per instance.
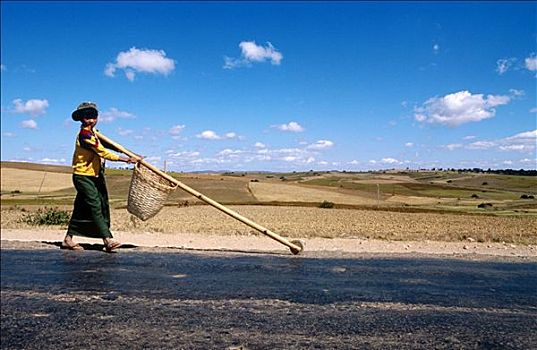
[89, 152]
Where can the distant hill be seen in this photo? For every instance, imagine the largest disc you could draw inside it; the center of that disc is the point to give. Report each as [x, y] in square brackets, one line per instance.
[37, 167]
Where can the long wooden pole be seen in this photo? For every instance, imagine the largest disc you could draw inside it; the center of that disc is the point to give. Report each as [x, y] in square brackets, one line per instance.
[295, 246]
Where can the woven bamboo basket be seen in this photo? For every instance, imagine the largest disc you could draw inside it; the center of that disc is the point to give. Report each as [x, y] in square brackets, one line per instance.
[148, 192]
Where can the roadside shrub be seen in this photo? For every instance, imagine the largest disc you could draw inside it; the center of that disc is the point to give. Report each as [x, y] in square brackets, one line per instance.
[475, 196]
[48, 216]
[326, 205]
[16, 207]
[485, 205]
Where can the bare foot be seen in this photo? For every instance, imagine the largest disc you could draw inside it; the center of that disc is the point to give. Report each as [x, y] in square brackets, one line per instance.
[68, 243]
[110, 244]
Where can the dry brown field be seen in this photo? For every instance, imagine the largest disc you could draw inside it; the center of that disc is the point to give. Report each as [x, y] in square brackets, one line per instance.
[301, 222]
[33, 181]
[289, 204]
[277, 192]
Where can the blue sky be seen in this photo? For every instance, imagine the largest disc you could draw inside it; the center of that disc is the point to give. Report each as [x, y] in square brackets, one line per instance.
[277, 86]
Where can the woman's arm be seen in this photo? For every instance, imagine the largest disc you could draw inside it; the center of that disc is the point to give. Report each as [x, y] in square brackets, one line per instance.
[89, 141]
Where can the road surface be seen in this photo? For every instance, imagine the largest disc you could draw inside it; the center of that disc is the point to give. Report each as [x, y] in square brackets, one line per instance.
[186, 299]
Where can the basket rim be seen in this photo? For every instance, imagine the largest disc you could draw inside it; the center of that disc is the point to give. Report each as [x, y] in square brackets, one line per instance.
[173, 186]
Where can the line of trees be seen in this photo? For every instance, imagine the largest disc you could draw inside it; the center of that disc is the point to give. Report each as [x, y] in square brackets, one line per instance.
[523, 172]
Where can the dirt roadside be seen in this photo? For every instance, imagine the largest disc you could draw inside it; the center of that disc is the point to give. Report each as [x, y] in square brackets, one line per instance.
[308, 223]
[259, 243]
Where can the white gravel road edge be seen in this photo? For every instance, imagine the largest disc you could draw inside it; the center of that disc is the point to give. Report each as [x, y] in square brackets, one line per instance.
[262, 243]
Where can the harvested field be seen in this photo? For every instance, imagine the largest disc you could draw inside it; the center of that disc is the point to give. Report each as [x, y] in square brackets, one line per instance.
[275, 192]
[414, 200]
[385, 179]
[315, 222]
[31, 180]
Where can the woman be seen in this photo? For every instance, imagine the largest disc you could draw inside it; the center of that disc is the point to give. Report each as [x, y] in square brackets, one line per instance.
[91, 213]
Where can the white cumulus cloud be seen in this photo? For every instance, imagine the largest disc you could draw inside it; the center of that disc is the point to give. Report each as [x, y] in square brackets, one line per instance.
[454, 146]
[291, 126]
[185, 154]
[141, 61]
[259, 53]
[251, 52]
[522, 142]
[459, 108]
[517, 93]
[504, 64]
[113, 114]
[526, 136]
[29, 124]
[124, 132]
[229, 153]
[531, 62]
[33, 107]
[211, 135]
[321, 144]
[517, 148]
[481, 145]
[208, 135]
[176, 129]
[389, 161]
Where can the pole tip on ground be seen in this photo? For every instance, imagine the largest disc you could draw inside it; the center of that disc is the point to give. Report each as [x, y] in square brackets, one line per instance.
[298, 243]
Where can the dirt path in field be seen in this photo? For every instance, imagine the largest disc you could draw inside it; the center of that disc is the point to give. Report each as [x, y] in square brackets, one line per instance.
[260, 243]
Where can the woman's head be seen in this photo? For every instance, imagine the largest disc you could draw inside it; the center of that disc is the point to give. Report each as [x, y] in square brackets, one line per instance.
[87, 113]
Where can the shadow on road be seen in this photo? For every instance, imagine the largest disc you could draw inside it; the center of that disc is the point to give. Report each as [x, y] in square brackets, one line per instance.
[437, 281]
[89, 246]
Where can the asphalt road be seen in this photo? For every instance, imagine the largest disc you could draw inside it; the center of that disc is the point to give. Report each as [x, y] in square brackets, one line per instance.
[175, 299]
